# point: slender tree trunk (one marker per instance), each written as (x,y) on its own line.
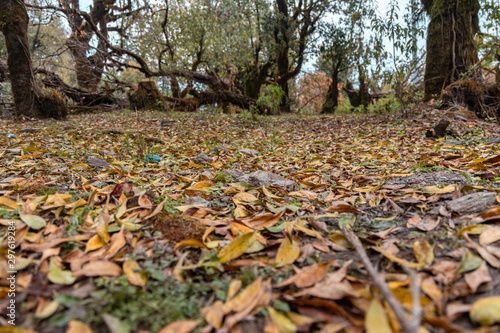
(14,21)
(332,96)
(451,48)
(282,61)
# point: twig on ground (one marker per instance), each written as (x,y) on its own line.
(407,325)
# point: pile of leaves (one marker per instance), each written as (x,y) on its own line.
(130,222)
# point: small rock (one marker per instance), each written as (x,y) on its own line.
(116,130)
(29,130)
(429,178)
(154,140)
(199,201)
(249,152)
(473,203)
(453,142)
(14,151)
(96,162)
(260,178)
(106,153)
(166,122)
(493,139)
(202,159)
(218,149)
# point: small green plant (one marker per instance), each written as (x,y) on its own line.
(270,99)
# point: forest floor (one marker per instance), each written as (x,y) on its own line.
(155,222)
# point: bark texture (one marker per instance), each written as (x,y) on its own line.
(451,49)
(14,21)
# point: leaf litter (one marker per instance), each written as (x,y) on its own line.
(250,225)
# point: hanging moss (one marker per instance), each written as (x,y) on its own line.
(146,96)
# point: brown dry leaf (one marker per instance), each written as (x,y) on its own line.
(262,221)
(490,235)
(180,326)
(100,268)
(308,276)
(117,242)
(244,197)
(144,202)
(478,277)
(428,223)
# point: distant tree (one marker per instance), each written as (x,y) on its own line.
(345,47)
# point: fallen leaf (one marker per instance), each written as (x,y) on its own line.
(33,221)
(132,269)
(237,247)
(486,311)
(288,252)
(376,320)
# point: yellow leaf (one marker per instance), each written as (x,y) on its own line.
(486,311)
(424,252)
(94,243)
(243,299)
(190,242)
(288,252)
(48,310)
(438,190)
(282,322)
(80,165)
(214,314)
(200,186)
(376,320)
(244,197)
(76,326)
(4,201)
(180,326)
(237,247)
(59,276)
(130,268)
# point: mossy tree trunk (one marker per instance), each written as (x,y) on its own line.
(332,96)
(14,21)
(451,49)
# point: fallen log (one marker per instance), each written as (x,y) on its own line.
(80,96)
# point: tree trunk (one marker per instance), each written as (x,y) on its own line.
(88,69)
(332,96)
(283,63)
(451,49)
(14,21)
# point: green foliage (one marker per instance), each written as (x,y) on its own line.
(388,104)
(270,99)
(161,302)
